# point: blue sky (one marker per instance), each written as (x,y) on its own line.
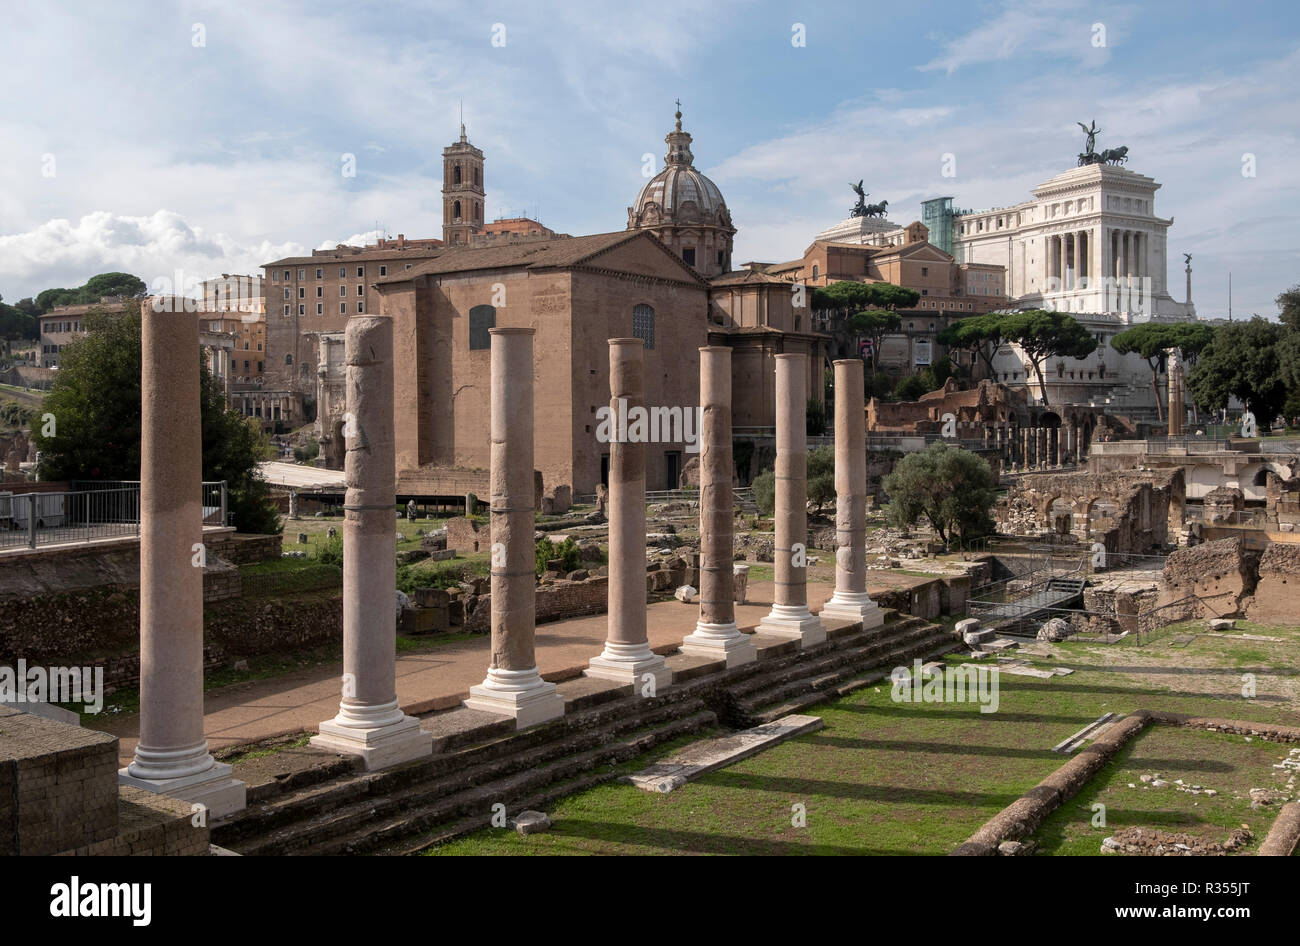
(167,155)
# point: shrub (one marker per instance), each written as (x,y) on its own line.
(567,551)
(765,492)
(330,552)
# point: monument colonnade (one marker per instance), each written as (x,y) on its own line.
(172,755)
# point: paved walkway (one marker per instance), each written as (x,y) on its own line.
(435,679)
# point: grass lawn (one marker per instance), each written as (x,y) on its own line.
(1224,762)
(887,777)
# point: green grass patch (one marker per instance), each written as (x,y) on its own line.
(887,777)
(1224,762)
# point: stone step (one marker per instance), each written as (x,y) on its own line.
(415,815)
(281,822)
(479,756)
(816,660)
(900,655)
(812,699)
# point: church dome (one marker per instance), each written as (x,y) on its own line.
(675,186)
(685,209)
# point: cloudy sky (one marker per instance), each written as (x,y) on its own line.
(210,137)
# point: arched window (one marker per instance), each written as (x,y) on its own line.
(455,174)
(815,272)
(455,210)
(478,177)
(288,359)
(643,324)
(481,318)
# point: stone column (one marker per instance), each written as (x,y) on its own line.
(1177,406)
(851,601)
(716,634)
(790,616)
(1024,448)
(1055,452)
(1069,443)
(627,656)
(172,755)
(1038,448)
(513,686)
(1074,248)
(369,722)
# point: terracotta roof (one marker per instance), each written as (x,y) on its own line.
(355,253)
(535,254)
(746,276)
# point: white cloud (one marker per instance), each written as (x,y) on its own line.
(65,253)
(1034,29)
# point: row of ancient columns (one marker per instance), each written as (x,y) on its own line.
(172,754)
(267,407)
(1038,448)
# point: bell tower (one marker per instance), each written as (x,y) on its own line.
(462,191)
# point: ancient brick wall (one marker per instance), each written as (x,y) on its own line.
(1220,573)
(58,785)
(1277,596)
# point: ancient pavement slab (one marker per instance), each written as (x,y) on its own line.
(703,757)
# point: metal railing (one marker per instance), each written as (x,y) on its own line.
(1155,619)
(106,510)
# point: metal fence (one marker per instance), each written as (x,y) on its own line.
(315,577)
(106,510)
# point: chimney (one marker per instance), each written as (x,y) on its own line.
(401,241)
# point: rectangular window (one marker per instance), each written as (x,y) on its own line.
(302,310)
(286,310)
(343,291)
(286,292)
(481,319)
(343,272)
(302,274)
(361,290)
(319,292)
(320,309)
(688,255)
(361,271)
(275,275)
(343,308)
(361,307)
(383,270)
(302,292)
(320,273)
(286,275)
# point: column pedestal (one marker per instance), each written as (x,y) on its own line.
(522,694)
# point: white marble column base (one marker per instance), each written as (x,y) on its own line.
(793,621)
(214,788)
(720,642)
(522,694)
(378,746)
(854,606)
(630,663)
